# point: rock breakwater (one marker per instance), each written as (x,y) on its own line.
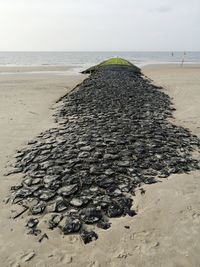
(113,134)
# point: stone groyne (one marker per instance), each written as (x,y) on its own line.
(113,134)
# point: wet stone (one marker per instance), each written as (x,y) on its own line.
(123,163)
(76,202)
(116,193)
(150,180)
(95,170)
(88,236)
(39,208)
(47,194)
(55,220)
(115,210)
(110,157)
(132,213)
(68,190)
(71,225)
(28,181)
(44,236)
(23,193)
(32,222)
(90,215)
(83,154)
(103,224)
(16,187)
(86,148)
(60,205)
(109,172)
(104,181)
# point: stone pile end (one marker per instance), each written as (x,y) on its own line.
(116,63)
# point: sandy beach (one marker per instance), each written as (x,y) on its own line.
(40,69)
(166,231)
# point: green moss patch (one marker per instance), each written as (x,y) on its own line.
(109,62)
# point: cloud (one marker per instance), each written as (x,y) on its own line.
(160,9)
(164,9)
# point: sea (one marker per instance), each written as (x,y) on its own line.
(81,60)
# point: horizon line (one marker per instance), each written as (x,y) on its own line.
(94,51)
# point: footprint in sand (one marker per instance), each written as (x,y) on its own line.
(145,242)
(73,239)
(190,213)
(139,235)
(67,259)
(94,264)
(61,257)
(123,254)
(196,217)
(24,257)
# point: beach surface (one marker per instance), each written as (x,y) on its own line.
(166,231)
(31,69)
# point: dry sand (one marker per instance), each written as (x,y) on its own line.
(166,231)
(183,85)
(45,68)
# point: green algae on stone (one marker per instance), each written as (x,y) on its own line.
(114,62)
(118,61)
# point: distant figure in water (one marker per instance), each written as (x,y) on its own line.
(172,54)
(183,59)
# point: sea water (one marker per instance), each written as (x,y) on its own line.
(86,59)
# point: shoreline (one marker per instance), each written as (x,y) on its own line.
(76,68)
(166,230)
(40,70)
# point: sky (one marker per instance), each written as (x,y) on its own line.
(99,25)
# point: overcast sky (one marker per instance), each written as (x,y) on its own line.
(99,25)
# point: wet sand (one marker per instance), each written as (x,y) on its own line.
(166,231)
